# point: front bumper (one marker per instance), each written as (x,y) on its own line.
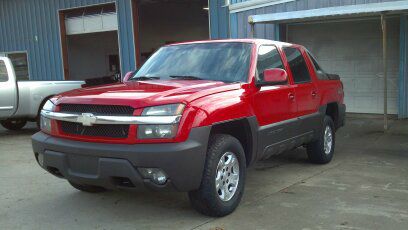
(110,165)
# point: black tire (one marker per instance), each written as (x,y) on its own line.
(316,149)
(206,199)
(87,188)
(14,124)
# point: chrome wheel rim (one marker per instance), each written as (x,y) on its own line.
(328,140)
(227,176)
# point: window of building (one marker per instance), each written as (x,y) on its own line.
(3,72)
(20,64)
(297,65)
(268,58)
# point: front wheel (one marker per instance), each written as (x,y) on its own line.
(13,124)
(223,181)
(321,151)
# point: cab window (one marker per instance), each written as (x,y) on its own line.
(268,58)
(297,65)
(3,72)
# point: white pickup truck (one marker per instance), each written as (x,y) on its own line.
(20,101)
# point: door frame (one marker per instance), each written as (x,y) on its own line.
(63,34)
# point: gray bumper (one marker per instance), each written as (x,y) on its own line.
(107,165)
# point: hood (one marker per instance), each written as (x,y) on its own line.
(140,94)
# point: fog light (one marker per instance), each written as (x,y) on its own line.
(154,174)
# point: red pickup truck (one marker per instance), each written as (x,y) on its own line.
(193,118)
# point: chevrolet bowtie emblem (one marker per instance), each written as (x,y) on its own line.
(87,119)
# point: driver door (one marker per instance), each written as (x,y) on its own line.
(275,106)
(8,88)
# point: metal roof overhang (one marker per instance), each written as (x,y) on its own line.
(337,12)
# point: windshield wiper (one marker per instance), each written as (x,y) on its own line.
(144,78)
(186,77)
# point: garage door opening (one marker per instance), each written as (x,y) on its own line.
(353,49)
(91,42)
(165,22)
(93,55)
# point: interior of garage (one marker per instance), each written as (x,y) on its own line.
(168,21)
(93,55)
(353,49)
(92,42)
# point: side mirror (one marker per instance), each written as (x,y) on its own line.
(127,76)
(274,76)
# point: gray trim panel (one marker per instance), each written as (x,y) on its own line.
(98,163)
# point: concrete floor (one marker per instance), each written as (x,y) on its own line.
(364,187)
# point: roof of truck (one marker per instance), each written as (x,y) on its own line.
(245,40)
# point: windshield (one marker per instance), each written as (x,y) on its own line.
(221,61)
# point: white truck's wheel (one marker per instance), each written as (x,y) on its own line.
(14,124)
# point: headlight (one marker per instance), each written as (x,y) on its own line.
(48,106)
(164,110)
(45,123)
(156,131)
(160,131)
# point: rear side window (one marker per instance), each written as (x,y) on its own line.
(315,64)
(297,65)
(321,75)
(268,58)
(3,72)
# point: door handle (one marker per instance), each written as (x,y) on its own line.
(291,96)
(314,94)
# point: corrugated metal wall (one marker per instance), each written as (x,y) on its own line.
(239,21)
(33,26)
(219,19)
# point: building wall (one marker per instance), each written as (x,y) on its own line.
(239,20)
(33,26)
(173,25)
(219,19)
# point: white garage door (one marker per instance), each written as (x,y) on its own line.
(354,51)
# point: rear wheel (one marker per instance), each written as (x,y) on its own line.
(87,188)
(223,181)
(321,151)
(14,124)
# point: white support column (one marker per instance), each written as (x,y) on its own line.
(384,41)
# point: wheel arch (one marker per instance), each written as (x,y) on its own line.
(245,130)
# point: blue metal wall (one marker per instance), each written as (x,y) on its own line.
(219,19)
(126,38)
(33,26)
